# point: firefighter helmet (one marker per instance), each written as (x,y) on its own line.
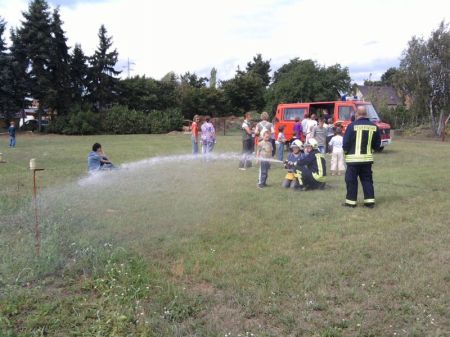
(313,143)
(297,143)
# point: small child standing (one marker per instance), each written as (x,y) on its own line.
(290,181)
(337,154)
(12,134)
(264,152)
(281,140)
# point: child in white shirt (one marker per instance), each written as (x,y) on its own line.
(337,154)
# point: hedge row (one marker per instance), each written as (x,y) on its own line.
(117,120)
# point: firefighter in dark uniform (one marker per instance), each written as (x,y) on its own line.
(311,170)
(361,138)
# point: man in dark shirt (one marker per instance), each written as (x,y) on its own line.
(361,138)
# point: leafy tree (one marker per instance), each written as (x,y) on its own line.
(36,38)
(388,78)
(78,75)
(244,92)
(59,96)
(424,76)
(193,80)
(261,68)
(202,101)
(102,81)
(305,80)
(146,94)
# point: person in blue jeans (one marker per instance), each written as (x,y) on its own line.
(281,140)
(12,134)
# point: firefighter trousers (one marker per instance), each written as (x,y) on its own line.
(306,179)
(364,173)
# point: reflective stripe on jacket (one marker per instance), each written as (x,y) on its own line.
(360,139)
(315,162)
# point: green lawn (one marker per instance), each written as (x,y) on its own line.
(186,248)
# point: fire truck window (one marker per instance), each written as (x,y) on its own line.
(345,112)
(290,114)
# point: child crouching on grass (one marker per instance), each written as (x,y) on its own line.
(290,180)
(264,152)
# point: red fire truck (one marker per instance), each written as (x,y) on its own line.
(341,113)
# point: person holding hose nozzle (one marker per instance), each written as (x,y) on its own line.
(311,170)
(361,138)
(290,181)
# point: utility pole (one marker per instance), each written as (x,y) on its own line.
(128,67)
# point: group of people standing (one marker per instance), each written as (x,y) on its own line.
(208,135)
(306,164)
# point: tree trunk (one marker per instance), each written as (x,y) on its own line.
(433,118)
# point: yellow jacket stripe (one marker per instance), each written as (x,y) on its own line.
(358,158)
(319,175)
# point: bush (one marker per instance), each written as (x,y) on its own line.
(165,121)
(77,123)
(117,120)
(121,120)
(401,118)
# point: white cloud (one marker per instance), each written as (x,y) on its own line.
(196,35)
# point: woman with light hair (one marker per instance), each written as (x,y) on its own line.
(265,125)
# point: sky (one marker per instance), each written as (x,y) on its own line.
(159,36)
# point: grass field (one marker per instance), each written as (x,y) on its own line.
(186,248)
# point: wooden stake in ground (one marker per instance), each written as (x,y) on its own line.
(37,232)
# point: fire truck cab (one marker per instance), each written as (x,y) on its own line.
(341,113)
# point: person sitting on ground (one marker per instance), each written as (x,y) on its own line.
(290,181)
(311,170)
(97,160)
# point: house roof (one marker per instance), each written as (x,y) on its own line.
(384,93)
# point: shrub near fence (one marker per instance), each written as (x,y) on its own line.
(120,120)
(117,120)
(77,123)
(165,121)
(402,118)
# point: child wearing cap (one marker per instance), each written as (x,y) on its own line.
(337,154)
(264,152)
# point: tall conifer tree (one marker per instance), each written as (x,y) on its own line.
(103,84)
(59,97)
(78,75)
(36,36)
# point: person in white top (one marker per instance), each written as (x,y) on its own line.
(312,123)
(305,121)
(337,154)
